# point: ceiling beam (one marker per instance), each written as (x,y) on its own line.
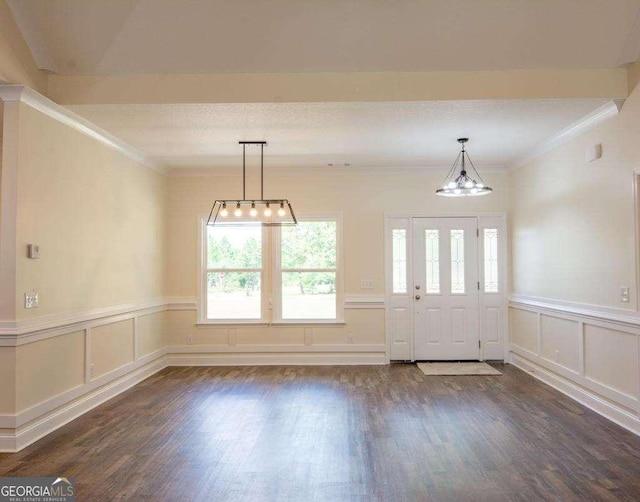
(28,26)
(337,87)
(631,50)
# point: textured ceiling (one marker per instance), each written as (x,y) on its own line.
(361,134)
(222,36)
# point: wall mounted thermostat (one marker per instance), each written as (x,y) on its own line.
(33,251)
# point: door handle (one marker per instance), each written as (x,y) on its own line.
(417,297)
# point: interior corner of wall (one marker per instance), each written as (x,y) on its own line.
(633,76)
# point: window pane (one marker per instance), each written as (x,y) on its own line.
(491,260)
(457,261)
(310,244)
(308,295)
(233,295)
(234,247)
(432,253)
(399,257)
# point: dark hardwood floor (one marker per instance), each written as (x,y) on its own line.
(362,433)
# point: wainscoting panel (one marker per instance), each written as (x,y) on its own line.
(611,358)
(526,334)
(8,379)
(49,368)
(46,365)
(148,327)
(560,341)
(592,355)
(112,346)
(58,367)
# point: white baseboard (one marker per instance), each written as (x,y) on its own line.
(607,409)
(275,359)
(12,441)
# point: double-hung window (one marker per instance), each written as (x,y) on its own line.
(234,273)
(282,274)
(307,276)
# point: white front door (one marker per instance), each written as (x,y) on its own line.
(445,289)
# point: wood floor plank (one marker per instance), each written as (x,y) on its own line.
(363,433)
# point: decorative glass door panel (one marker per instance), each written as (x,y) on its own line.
(446,289)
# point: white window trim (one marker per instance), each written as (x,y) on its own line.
(202,304)
(339,271)
(271,278)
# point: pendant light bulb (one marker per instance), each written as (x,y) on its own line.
(253,210)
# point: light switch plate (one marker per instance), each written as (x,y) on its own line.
(33,251)
(366,284)
(31,300)
(624,294)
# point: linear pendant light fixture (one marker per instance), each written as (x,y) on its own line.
(241,212)
(461,184)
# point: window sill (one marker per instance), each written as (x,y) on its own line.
(223,324)
(302,322)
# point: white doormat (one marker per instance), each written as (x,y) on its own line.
(464,368)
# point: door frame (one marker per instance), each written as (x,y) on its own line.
(403,302)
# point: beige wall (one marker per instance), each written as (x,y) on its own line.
(16,63)
(572,229)
(363,200)
(572,222)
(99,218)
(97,215)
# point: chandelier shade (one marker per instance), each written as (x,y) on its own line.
(463,183)
(247,212)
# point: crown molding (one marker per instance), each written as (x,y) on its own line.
(65,116)
(215,171)
(589,121)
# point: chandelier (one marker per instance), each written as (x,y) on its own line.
(460,184)
(240,212)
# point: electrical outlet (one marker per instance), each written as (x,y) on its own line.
(624,294)
(92,370)
(31,300)
(557,356)
(190,340)
(366,284)
(350,338)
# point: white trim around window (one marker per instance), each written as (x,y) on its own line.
(271,277)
